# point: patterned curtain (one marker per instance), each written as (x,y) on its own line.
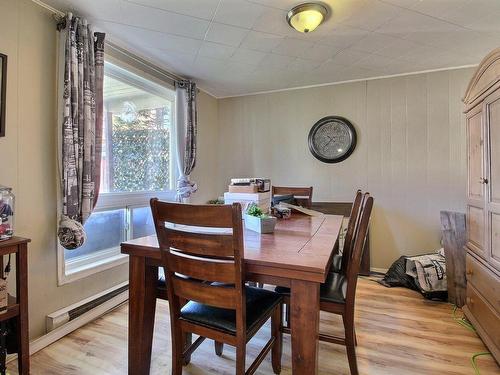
(186,128)
(81,128)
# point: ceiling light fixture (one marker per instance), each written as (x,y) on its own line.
(306,17)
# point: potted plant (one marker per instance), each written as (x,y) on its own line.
(258,221)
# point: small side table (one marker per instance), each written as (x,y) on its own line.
(18,307)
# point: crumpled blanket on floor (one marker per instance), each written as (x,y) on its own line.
(429,271)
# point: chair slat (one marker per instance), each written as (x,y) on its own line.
(215,216)
(215,245)
(202,268)
(217,296)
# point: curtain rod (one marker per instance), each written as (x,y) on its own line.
(140,60)
(58,14)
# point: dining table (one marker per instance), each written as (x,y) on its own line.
(297,255)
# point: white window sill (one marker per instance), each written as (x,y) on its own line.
(85,266)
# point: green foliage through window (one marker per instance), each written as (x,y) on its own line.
(139,154)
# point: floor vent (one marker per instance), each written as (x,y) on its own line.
(91,307)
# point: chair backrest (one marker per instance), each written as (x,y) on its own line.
(202,248)
(354,218)
(303,195)
(357,250)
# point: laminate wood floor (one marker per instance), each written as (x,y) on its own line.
(399,333)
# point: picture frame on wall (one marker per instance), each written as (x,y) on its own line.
(3,92)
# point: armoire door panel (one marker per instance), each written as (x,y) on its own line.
(475,153)
(475,229)
(493,119)
(495,240)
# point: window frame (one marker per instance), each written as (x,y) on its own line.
(90,264)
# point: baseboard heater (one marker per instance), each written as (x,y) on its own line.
(90,308)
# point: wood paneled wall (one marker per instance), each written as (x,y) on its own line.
(410,153)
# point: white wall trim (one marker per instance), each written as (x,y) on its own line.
(349,81)
(58,333)
(380,270)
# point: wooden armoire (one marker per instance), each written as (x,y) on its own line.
(482,108)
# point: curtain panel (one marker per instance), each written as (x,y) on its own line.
(81,136)
(186,130)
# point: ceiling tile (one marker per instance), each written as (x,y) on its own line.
(276,61)
(348,57)
(196,8)
(463,12)
(292,47)
(329,69)
(415,26)
(152,39)
(239,13)
(179,62)
(303,65)
(342,36)
(372,14)
(278,4)
(259,41)
(318,52)
(273,21)
(375,62)
(225,34)
(374,42)
(248,56)
(167,22)
(109,10)
(398,47)
(216,50)
(250,47)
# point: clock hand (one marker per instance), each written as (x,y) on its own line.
(330,141)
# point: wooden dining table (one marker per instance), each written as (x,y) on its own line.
(297,255)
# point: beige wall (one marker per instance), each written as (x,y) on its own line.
(410,153)
(28,152)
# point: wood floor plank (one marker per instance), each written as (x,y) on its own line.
(399,333)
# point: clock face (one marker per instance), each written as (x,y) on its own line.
(332,139)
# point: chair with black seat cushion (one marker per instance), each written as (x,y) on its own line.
(339,262)
(202,252)
(338,293)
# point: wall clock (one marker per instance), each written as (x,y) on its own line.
(332,139)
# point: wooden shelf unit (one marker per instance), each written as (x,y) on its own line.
(18,306)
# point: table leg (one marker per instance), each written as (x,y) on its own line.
(23,359)
(304,305)
(143,280)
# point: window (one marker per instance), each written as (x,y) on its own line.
(136,164)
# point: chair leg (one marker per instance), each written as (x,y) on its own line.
(350,343)
(240,359)
(188,340)
(287,316)
(276,321)
(177,349)
(219,347)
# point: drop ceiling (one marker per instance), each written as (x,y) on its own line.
(237,47)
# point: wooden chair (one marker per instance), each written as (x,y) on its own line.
(339,263)
(303,195)
(338,293)
(205,279)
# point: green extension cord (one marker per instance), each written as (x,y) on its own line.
(473,361)
(463,320)
(466,324)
